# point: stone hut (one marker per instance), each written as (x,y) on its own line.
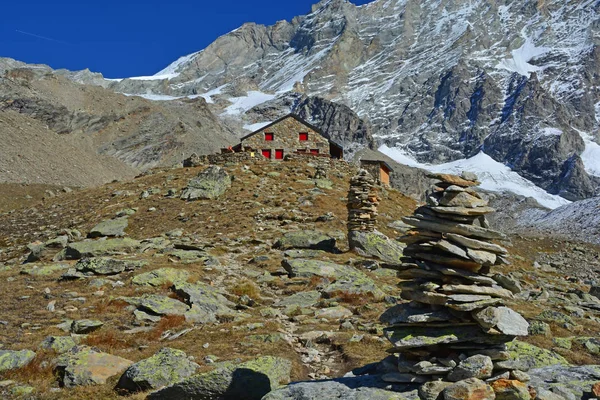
(289,135)
(378,169)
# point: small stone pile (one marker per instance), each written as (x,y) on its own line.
(455,326)
(362,203)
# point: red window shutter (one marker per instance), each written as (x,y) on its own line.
(266,153)
(314,151)
(279,154)
(268,136)
(303,136)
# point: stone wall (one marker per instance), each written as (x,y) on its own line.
(286,137)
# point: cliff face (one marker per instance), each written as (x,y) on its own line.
(439,79)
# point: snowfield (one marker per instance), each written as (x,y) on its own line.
(494,176)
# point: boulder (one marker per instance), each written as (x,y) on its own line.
(209,184)
(306,239)
(375,244)
(82,366)
(469,389)
(11,359)
(333,313)
(84,326)
(112,227)
(58,344)
(207,302)
(98,248)
(162,305)
(250,380)
(348,279)
(161,276)
(407,337)
(37,250)
(45,270)
(367,387)
(166,367)
(107,266)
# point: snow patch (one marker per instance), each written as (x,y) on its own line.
(494,176)
(591,155)
(172,68)
(153,77)
(519,62)
(551,132)
(208,95)
(242,104)
(597,107)
(257,126)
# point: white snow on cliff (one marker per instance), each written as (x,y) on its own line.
(493,175)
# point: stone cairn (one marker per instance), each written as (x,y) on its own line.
(455,325)
(362,203)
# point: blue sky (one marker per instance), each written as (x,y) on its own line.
(127,38)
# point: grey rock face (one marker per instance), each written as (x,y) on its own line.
(107,266)
(478,366)
(166,367)
(209,184)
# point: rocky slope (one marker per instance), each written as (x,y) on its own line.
(57,131)
(440,80)
(252,282)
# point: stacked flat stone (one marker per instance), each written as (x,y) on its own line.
(362,203)
(455,325)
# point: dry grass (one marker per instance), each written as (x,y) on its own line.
(355,299)
(247,288)
(109,340)
(166,323)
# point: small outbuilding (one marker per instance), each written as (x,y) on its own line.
(289,135)
(379,169)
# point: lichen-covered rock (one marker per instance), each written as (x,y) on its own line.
(375,244)
(306,239)
(246,381)
(11,359)
(161,276)
(469,389)
(532,356)
(84,326)
(166,367)
(82,366)
(347,279)
(567,381)
(162,305)
(206,302)
(506,389)
(107,266)
(333,313)
(98,248)
(58,344)
(112,227)
(209,184)
(300,300)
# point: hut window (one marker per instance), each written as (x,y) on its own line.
(314,151)
(279,154)
(303,136)
(266,153)
(268,136)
